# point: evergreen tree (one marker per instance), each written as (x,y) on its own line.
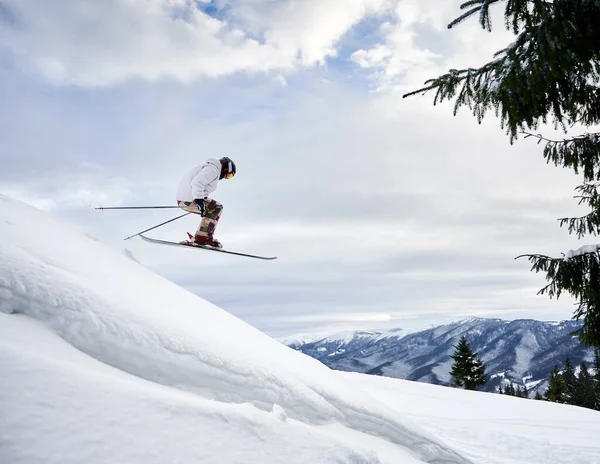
(519,392)
(510,389)
(538,396)
(585,394)
(556,387)
(467,371)
(549,73)
(569,381)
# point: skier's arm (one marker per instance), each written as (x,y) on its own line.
(202,179)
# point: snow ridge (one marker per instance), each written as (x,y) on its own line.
(117,312)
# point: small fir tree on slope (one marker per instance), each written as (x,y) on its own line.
(510,389)
(550,73)
(467,371)
(525,391)
(556,387)
(518,392)
(569,380)
(585,391)
(570,388)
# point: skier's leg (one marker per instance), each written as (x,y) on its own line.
(188,206)
(191,207)
(212,213)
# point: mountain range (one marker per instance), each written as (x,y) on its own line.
(522,352)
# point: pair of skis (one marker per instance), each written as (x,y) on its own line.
(204,247)
(177,244)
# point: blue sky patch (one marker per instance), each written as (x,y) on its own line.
(212,9)
(7,15)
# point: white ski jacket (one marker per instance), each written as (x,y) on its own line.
(200,181)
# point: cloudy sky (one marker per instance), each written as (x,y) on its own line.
(384,212)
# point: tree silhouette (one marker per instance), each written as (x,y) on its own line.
(467,371)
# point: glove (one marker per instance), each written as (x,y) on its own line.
(200,203)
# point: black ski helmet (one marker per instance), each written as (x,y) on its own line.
(227,168)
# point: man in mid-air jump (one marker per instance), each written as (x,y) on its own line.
(193,196)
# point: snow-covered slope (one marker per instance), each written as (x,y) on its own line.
(491,428)
(102,360)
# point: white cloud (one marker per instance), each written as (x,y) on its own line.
(93,43)
(311,28)
(407,55)
(81,192)
(372,58)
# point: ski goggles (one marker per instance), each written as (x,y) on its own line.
(230,173)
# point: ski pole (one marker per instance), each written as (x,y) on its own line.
(155,227)
(137,207)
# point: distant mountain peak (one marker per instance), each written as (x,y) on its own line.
(513,350)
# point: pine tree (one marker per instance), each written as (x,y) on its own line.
(519,392)
(585,394)
(510,390)
(569,381)
(550,73)
(556,387)
(467,371)
(538,396)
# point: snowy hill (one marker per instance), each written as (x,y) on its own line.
(490,428)
(101,360)
(519,351)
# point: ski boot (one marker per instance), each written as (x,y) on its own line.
(207,240)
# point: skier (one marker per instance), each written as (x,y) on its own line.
(193,196)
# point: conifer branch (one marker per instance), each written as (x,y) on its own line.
(581,153)
(550,72)
(589,223)
(578,274)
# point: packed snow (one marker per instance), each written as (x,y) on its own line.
(102,360)
(490,428)
(581,251)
